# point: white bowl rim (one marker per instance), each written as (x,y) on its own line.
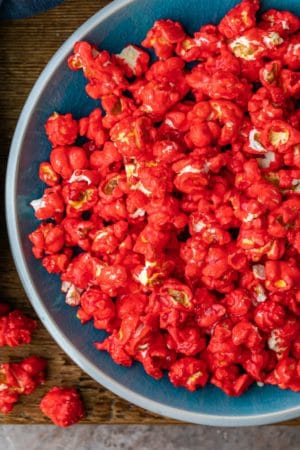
(62,340)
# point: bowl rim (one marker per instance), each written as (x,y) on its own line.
(14,239)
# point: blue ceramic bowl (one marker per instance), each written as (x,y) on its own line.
(120,23)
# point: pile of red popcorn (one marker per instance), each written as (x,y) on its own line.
(175,227)
(17,378)
(23,377)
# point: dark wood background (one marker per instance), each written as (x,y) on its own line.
(25,47)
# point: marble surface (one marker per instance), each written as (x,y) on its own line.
(143,437)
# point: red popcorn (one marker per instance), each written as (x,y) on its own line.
(50,205)
(104,76)
(262,109)
(20,378)
(249,46)
(97,305)
(193,252)
(189,373)
(205,43)
(92,127)
(163,37)
(165,211)
(208,310)
(82,270)
(192,175)
(15,328)
(282,275)
(133,60)
(65,160)
(222,352)
(269,315)
(291,57)
(175,225)
(286,375)
(166,86)
(153,273)
(238,304)
(280,136)
(132,136)
(189,340)
(77,232)
(47,239)
(259,364)
(57,263)
(79,196)
(115,209)
(116,108)
(282,22)
(110,188)
(84,54)
(239,19)
(247,334)
(132,336)
(111,279)
(154,180)
(157,97)
(63,406)
(61,129)
(219,85)
(231,381)
(175,295)
(269,75)
(290,84)
(155,356)
(176,121)
(106,159)
(217,273)
(225,118)
(250,69)
(107,240)
(48,175)
(167,151)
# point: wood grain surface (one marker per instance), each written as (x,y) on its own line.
(25,47)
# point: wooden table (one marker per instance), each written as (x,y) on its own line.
(25,47)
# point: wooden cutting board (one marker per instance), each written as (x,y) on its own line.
(25,47)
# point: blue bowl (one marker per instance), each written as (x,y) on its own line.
(59,89)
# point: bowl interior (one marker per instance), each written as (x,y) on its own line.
(61,90)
